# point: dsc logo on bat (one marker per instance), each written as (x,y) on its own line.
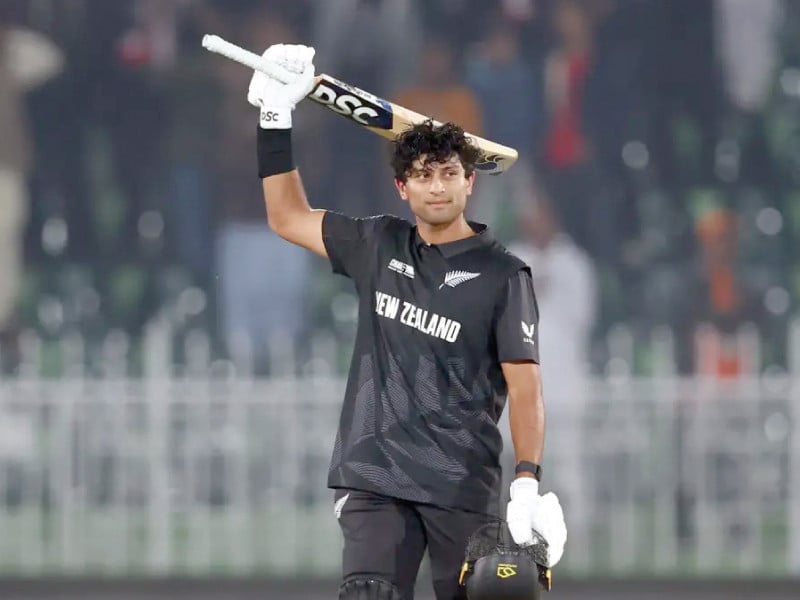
(351,102)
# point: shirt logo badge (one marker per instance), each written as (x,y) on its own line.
(454,278)
(528,331)
(402,268)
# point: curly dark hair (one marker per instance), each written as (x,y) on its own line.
(437,142)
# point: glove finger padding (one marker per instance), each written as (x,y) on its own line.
(275,98)
(294,58)
(275,53)
(519,523)
(298,58)
(548,519)
(255,92)
(262,86)
(264,90)
(528,512)
(304,83)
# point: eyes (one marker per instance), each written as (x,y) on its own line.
(448,174)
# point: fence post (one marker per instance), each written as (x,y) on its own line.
(793,490)
(663,345)
(620,351)
(157,347)
(748,346)
(62,483)
(160,490)
(30,345)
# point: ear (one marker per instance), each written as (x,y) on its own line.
(470,182)
(401,188)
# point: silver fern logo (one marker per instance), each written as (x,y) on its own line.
(454,278)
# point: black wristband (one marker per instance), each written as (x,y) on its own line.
(526,466)
(274,148)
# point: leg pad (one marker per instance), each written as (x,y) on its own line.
(367,587)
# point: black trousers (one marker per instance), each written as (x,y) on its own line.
(387,538)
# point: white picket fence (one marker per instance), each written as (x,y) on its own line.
(208,470)
(176,476)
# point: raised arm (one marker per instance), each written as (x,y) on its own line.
(289,214)
(288,211)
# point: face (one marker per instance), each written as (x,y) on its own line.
(539,225)
(720,249)
(571,21)
(437,192)
(718,239)
(501,46)
(438,65)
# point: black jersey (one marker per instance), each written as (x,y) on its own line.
(425,388)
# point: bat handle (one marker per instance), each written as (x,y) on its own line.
(216,44)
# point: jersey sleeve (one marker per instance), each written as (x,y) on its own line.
(517,325)
(350,241)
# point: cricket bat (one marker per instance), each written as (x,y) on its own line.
(376,114)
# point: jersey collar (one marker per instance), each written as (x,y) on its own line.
(451,249)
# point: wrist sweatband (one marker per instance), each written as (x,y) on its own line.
(526,466)
(274,148)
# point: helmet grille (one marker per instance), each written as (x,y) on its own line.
(495,538)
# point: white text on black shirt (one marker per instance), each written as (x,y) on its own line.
(416,317)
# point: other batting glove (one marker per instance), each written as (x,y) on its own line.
(276,99)
(527,512)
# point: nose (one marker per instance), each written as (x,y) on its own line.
(437,184)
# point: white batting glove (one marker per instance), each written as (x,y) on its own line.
(527,512)
(275,98)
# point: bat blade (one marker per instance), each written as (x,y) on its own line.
(388,119)
(363,108)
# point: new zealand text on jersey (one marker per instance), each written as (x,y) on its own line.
(416,317)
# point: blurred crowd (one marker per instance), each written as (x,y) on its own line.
(659,147)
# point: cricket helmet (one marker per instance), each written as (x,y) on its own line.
(495,568)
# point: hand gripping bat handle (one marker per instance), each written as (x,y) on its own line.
(216,44)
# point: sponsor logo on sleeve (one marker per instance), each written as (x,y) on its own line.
(528,331)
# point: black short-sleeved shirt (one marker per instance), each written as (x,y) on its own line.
(425,388)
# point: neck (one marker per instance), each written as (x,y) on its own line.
(446,232)
(577,47)
(544,241)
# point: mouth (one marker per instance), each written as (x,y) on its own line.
(436,203)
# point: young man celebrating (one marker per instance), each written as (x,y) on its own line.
(447,329)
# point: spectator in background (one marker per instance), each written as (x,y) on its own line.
(507,89)
(747,42)
(587,203)
(262,279)
(439,92)
(132,101)
(374,45)
(747,45)
(591,96)
(567,68)
(567,296)
(566,292)
(681,78)
(194,96)
(509,97)
(27,59)
(722,300)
